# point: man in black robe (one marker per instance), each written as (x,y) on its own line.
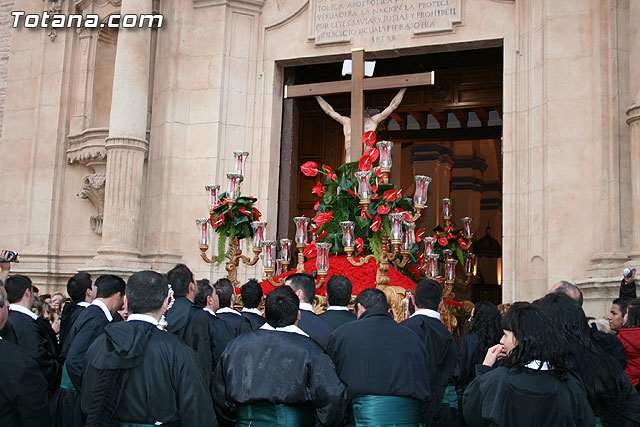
(384,366)
(90,324)
(226,299)
(277,375)
(136,373)
(338,297)
(252,295)
(80,291)
(184,290)
(28,334)
(305,288)
(440,345)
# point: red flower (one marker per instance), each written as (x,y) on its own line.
(316,206)
(321,218)
(374,188)
(375,225)
(244,211)
(310,250)
(419,235)
(453,303)
(443,241)
(309,168)
(256,213)
(415,271)
(359,244)
(353,193)
(383,209)
(319,189)
(363,213)
(391,195)
(313,230)
(321,235)
(448,229)
(219,222)
(369,138)
(330,173)
(378,173)
(369,156)
(463,244)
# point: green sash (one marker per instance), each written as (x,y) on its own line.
(264,414)
(65,381)
(450,397)
(389,411)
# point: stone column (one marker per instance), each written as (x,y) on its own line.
(126,144)
(633,120)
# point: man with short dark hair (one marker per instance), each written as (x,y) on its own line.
(277,375)
(440,345)
(23,389)
(226,299)
(28,333)
(80,292)
(338,297)
(252,295)
(137,374)
(384,366)
(305,288)
(184,290)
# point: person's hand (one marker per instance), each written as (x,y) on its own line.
(632,277)
(493,354)
(4,256)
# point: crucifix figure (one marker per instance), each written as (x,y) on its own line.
(357,86)
(371,119)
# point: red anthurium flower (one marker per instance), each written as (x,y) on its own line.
(219,222)
(310,250)
(353,193)
(462,244)
(256,213)
(359,244)
(321,218)
(321,235)
(244,211)
(448,229)
(391,195)
(375,225)
(383,209)
(369,138)
(442,241)
(316,206)
(419,235)
(363,213)
(313,230)
(374,188)
(319,189)
(367,159)
(309,168)
(378,173)
(330,173)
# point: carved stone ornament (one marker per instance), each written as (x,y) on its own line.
(93,190)
(54,7)
(87,146)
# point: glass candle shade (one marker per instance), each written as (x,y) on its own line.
(348,228)
(396,225)
(422,184)
(468,263)
(409,237)
(258,233)
(364,189)
(385,153)
(466,225)
(241,159)
(203,231)
(432,265)
(428,245)
(212,191)
(446,207)
(233,191)
(450,269)
(269,254)
(322,261)
(302,223)
(446,254)
(279,267)
(285,249)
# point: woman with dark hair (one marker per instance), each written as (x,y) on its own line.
(610,393)
(532,387)
(630,337)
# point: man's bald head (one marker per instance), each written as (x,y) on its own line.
(567,288)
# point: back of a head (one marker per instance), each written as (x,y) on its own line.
(570,289)
(108,285)
(251,293)
(204,289)
(281,307)
(568,317)
(372,298)
(77,286)
(180,277)
(146,292)
(305,282)
(224,289)
(339,290)
(486,324)
(428,294)
(633,314)
(16,286)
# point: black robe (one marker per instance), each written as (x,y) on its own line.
(317,328)
(610,344)
(23,389)
(337,317)
(179,315)
(32,338)
(279,368)
(255,320)
(156,373)
(238,323)
(68,317)
(526,397)
(374,355)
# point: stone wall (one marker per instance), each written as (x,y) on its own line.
(5,47)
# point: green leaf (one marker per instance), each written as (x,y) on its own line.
(222,246)
(374,244)
(460,255)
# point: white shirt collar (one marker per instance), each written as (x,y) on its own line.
(427,312)
(104,309)
(208,310)
(144,318)
(83,304)
(252,310)
(535,364)
(23,310)
(228,310)
(306,306)
(338,308)
(291,329)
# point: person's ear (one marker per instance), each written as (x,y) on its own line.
(126,304)
(27,293)
(298,317)
(192,287)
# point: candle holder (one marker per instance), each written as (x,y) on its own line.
(204,231)
(385,159)
(302,224)
(432,264)
(446,210)
(233,190)
(348,240)
(322,261)
(429,243)
(258,233)
(240,160)
(364,188)
(466,227)
(212,191)
(234,256)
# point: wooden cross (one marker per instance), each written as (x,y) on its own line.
(356,87)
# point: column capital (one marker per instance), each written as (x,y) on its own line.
(126,143)
(633,113)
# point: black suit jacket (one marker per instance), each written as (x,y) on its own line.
(337,317)
(237,323)
(255,320)
(318,329)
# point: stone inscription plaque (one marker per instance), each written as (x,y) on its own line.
(380,21)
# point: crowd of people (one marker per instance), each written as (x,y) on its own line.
(166,349)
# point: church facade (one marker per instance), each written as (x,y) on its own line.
(109,135)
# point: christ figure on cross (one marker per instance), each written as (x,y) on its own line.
(371,122)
